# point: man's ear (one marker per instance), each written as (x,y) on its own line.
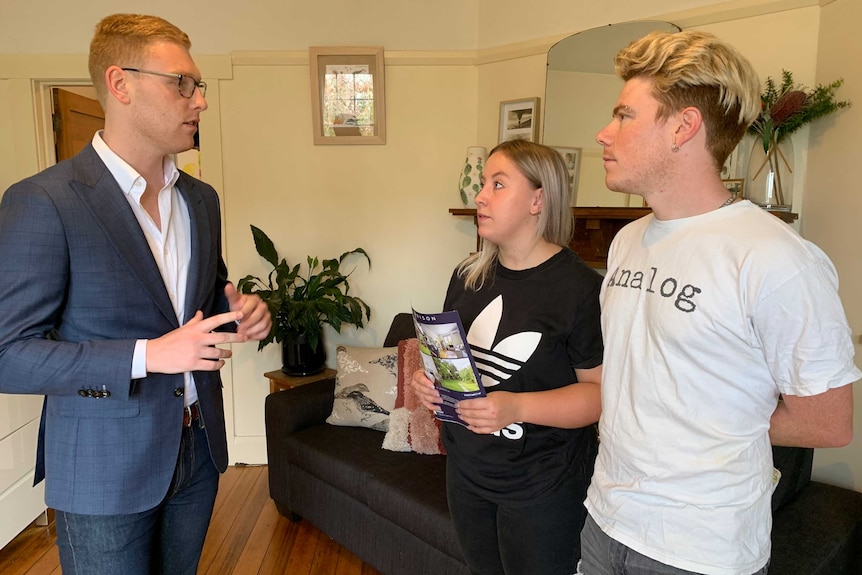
(538,202)
(115,82)
(688,124)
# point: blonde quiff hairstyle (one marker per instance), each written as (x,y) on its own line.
(123,40)
(693,68)
(544,168)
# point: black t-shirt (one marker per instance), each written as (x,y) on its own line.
(528,330)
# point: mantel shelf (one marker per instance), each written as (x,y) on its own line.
(595,227)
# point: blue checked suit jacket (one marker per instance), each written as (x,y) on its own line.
(79,286)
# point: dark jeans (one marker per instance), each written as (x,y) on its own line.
(540,538)
(165,540)
(606,556)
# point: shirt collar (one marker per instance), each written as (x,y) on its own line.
(125,175)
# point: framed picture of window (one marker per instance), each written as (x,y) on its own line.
(572,157)
(735,186)
(519,120)
(347,95)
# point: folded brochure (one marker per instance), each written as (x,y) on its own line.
(447,360)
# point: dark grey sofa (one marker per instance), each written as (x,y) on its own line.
(816,528)
(390,508)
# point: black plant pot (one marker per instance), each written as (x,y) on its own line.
(297,356)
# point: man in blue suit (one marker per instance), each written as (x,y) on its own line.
(113,289)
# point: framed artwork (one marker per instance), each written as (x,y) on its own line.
(519,120)
(736,186)
(572,157)
(347,95)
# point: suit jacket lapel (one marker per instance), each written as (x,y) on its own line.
(100,192)
(200,235)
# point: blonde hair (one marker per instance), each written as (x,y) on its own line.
(544,168)
(693,68)
(123,40)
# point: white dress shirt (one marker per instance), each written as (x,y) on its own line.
(170,245)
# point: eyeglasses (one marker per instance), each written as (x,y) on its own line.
(185,84)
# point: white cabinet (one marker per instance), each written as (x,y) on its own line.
(20,502)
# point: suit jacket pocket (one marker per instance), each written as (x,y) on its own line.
(93,407)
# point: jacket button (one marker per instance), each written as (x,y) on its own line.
(178,392)
(82,393)
(106,393)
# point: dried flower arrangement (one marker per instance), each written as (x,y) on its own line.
(786,108)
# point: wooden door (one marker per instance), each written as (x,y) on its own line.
(76,119)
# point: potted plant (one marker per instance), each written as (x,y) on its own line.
(301,304)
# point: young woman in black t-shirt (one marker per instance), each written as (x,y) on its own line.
(517,475)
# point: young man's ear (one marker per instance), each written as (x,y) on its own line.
(688,124)
(117,87)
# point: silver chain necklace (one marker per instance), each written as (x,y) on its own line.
(728,201)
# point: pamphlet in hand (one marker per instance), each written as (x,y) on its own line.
(447,360)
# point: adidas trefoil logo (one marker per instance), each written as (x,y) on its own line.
(499,363)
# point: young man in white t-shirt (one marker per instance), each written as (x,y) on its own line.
(712,309)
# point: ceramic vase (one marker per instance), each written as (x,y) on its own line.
(770,174)
(469,182)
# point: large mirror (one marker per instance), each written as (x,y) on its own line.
(579,97)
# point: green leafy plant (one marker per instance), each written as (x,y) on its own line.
(788,107)
(303,303)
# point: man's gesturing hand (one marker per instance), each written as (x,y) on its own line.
(256,320)
(192,346)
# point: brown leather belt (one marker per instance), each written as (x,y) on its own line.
(190,414)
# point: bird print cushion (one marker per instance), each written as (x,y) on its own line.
(365,387)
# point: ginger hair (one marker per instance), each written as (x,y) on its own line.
(123,40)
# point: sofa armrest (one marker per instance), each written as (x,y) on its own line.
(818,533)
(300,407)
(402,327)
(286,412)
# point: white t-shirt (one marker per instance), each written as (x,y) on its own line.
(705,321)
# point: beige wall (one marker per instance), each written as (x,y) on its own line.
(512,21)
(582,104)
(392,200)
(17,135)
(511,79)
(833,201)
(794,49)
(224,26)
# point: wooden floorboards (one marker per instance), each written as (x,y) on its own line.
(247,536)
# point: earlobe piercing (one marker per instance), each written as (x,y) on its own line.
(674,148)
